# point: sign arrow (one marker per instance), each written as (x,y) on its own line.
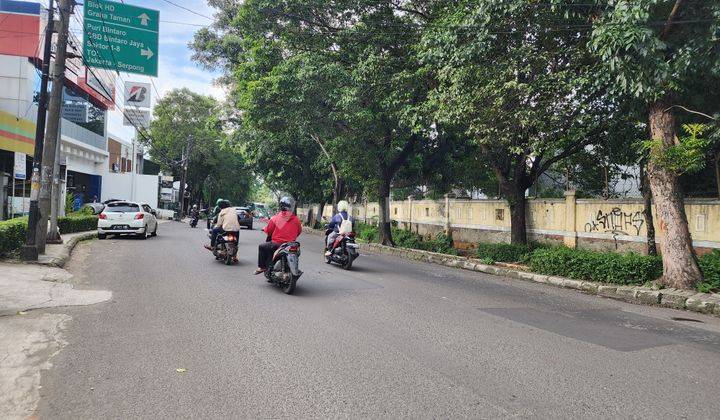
(144,19)
(146,53)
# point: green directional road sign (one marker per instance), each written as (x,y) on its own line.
(121,37)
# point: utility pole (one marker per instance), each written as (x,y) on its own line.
(183,173)
(52,132)
(29,251)
(53,236)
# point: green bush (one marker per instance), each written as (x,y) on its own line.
(12,235)
(13,232)
(406,239)
(710,266)
(607,267)
(504,252)
(77,222)
(366,232)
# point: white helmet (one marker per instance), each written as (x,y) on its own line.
(342,205)
(286,203)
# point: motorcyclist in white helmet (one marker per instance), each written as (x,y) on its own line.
(335,224)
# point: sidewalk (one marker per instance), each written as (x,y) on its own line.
(29,339)
(31,286)
(56,255)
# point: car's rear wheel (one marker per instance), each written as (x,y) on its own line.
(144,235)
(155,231)
(102,236)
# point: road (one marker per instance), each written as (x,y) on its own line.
(391,338)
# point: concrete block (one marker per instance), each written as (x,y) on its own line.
(625,293)
(483,268)
(468,265)
(572,284)
(513,273)
(589,287)
(675,298)
(556,281)
(607,291)
(701,302)
(496,271)
(540,278)
(451,262)
(649,296)
(716,309)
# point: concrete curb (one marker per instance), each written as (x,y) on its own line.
(706,303)
(67,247)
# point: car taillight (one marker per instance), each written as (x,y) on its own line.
(293,248)
(139,216)
(102,216)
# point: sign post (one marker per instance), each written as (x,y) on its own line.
(18,173)
(121,37)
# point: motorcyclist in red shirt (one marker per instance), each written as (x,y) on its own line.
(283,227)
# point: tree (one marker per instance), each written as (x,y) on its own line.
(518,82)
(656,51)
(369,42)
(186,138)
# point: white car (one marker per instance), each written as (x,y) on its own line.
(127,218)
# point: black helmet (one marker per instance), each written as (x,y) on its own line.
(286,203)
(224,204)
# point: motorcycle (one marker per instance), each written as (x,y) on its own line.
(193,221)
(345,252)
(226,247)
(284,270)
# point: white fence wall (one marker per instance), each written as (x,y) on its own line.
(120,186)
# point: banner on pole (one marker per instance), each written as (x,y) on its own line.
(136,117)
(19,171)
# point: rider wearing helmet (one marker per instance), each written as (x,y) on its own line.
(194,212)
(227,221)
(334,225)
(217,208)
(283,227)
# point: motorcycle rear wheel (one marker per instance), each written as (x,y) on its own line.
(289,287)
(229,254)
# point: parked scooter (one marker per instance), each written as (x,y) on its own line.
(226,247)
(284,270)
(345,250)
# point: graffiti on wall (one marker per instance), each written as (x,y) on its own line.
(616,222)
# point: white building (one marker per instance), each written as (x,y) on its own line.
(86,169)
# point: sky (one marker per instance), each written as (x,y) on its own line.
(175,66)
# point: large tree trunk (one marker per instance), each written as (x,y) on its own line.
(680,267)
(717,173)
(384,232)
(319,216)
(518,208)
(647,210)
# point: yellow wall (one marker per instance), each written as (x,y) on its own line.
(603,224)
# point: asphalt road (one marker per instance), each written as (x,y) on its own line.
(391,338)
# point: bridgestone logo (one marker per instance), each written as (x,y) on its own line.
(137,94)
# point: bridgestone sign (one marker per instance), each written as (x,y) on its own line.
(121,37)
